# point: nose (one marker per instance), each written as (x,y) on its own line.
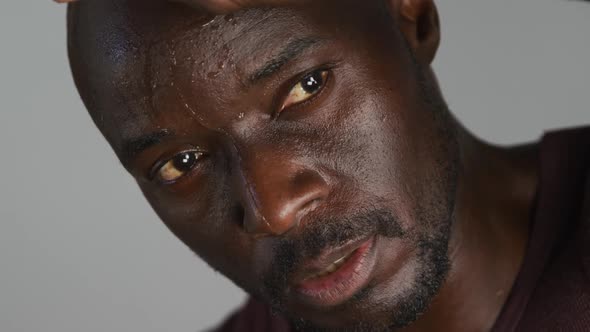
(277,194)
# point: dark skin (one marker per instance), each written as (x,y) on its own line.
(224,6)
(243,166)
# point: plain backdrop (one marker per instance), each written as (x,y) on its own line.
(80,249)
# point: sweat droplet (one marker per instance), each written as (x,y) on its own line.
(207,23)
(241,115)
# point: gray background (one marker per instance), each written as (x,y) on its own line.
(80,250)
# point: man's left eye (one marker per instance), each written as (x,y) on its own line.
(179,166)
(308,87)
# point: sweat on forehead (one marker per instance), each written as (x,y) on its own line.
(127,55)
(111,40)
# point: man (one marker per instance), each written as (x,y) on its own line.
(312,160)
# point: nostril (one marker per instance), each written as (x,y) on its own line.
(237,215)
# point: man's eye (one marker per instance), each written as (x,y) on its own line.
(309,86)
(178,166)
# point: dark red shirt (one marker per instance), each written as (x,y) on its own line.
(552,290)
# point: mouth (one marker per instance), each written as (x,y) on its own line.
(336,275)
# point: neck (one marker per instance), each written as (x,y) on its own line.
(495,194)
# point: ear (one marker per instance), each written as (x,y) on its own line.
(418,21)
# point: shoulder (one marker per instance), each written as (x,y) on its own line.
(577,164)
(568,271)
(582,229)
(560,299)
(583,238)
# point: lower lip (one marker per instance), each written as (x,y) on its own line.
(342,284)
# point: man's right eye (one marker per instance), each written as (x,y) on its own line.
(177,167)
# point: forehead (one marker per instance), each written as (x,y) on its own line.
(128,55)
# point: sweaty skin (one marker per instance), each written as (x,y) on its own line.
(270,141)
(225,6)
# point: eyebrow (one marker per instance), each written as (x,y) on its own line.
(134,146)
(290,52)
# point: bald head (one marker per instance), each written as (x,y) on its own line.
(130,57)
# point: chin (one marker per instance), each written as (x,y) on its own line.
(388,301)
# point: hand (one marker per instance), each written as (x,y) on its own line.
(223,6)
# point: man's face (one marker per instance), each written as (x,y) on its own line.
(302,153)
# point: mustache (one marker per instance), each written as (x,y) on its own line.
(317,236)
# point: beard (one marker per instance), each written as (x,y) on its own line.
(316,237)
(402,309)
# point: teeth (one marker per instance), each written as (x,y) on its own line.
(333,267)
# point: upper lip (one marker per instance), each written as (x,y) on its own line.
(328,256)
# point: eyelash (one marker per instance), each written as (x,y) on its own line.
(292,83)
(153,171)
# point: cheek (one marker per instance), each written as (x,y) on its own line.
(203,224)
(374,141)
(385,138)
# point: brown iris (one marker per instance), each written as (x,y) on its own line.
(179,166)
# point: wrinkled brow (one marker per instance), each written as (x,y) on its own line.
(134,146)
(288,54)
